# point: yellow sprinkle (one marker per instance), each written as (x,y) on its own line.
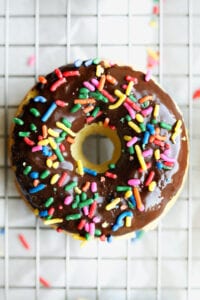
(53,132)
(49,163)
(128,221)
(66,129)
(118,93)
(80,167)
(173,136)
(129,88)
(134,126)
(113,204)
(127,138)
(36,212)
(156,110)
(152,186)
(153,23)
(77,190)
(153,54)
(56,165)
(178,126)
(140,157)
(99,70)
(118,103)
(54,178)
(53,221)
(52,143)
(43,142)
(157,154)
(139,118)
(128,194)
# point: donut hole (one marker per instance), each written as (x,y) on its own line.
(96,147)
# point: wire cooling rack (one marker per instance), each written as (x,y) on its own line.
(37,36)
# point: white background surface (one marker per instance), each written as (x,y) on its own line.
(165,263)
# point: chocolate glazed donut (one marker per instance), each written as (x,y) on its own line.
(127,193)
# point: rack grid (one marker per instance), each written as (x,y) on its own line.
(165,263)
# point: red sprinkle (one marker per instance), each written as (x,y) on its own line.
(90,119)
(168,163)
(28,141)
(92,209)
(196,94)
(81,224)
(133,104)
(103,237)
(62,147)
(130,78)
(71,73)
(24,241)
(58,73)
(111,175)
(62,179)
(58,229)
(51,211)
(150,178)
(107,95)
(159,143)
(56,84)
(156,9)
(61,103)
(148,164)
(44,282)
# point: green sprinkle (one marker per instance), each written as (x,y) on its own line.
(83,90)
(24,133)
(83,196)
(33,127)
(59,154)
(63,134)
(120,188)
(96,196)
(73,217)
(85,203)
(130,205)
(132,97)
(165,126)
(131,150)
(97,232)
(88,236)
(27,170)
(76,202)
(18,121)
(128,118)
(83,96)
(95,111)
(66,122)
(70,186)
(98,96)
(48,217)
(59,139)
(96,61)
(75,108)
(44,174)
(154,121)
(167,167)
(112,166)
(142,127)
(35,112)
(49,201)
(145,104)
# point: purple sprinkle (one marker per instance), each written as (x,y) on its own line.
(95,82)
(96,219)
(148,75)
(166,158)
(86,210)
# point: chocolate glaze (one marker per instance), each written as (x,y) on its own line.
(168,181)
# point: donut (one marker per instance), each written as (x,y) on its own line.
(124,195)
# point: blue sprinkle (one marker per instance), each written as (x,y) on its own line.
(146,138)
(43,213)
(46,151)
(109,239)
(40,99)
(88,62)
(49,112)
(151,128)
(2,230)
(90,172)
(78,63)
(132,199)
(38,188)
(34,175)
(159,165)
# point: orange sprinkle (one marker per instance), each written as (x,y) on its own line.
(161,137)
(151,139)
(52,157)
(84,101)
(35,182)
(70,140)
(106,122)
(111,79)
(145,98)
(44,131)
(88,109)
(139,204)
(102,82)
(42,79)
(157,130)
(86,186)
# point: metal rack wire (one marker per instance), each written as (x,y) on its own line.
(167,269)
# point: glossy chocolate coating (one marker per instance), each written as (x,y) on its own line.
(168,181)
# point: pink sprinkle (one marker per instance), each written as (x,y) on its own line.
(36,148)
(44,282)
(87,227)
(86,210)
(130,78)
(94,187)
(130,110)
(89,86)
(132,141)
(147,152)
(166,158)
(147,111)
(96,220)
(148,75)
(24,241)
(31,60)
(134,182)
(68,200)
(92,228)
(95,82)
(61,103)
